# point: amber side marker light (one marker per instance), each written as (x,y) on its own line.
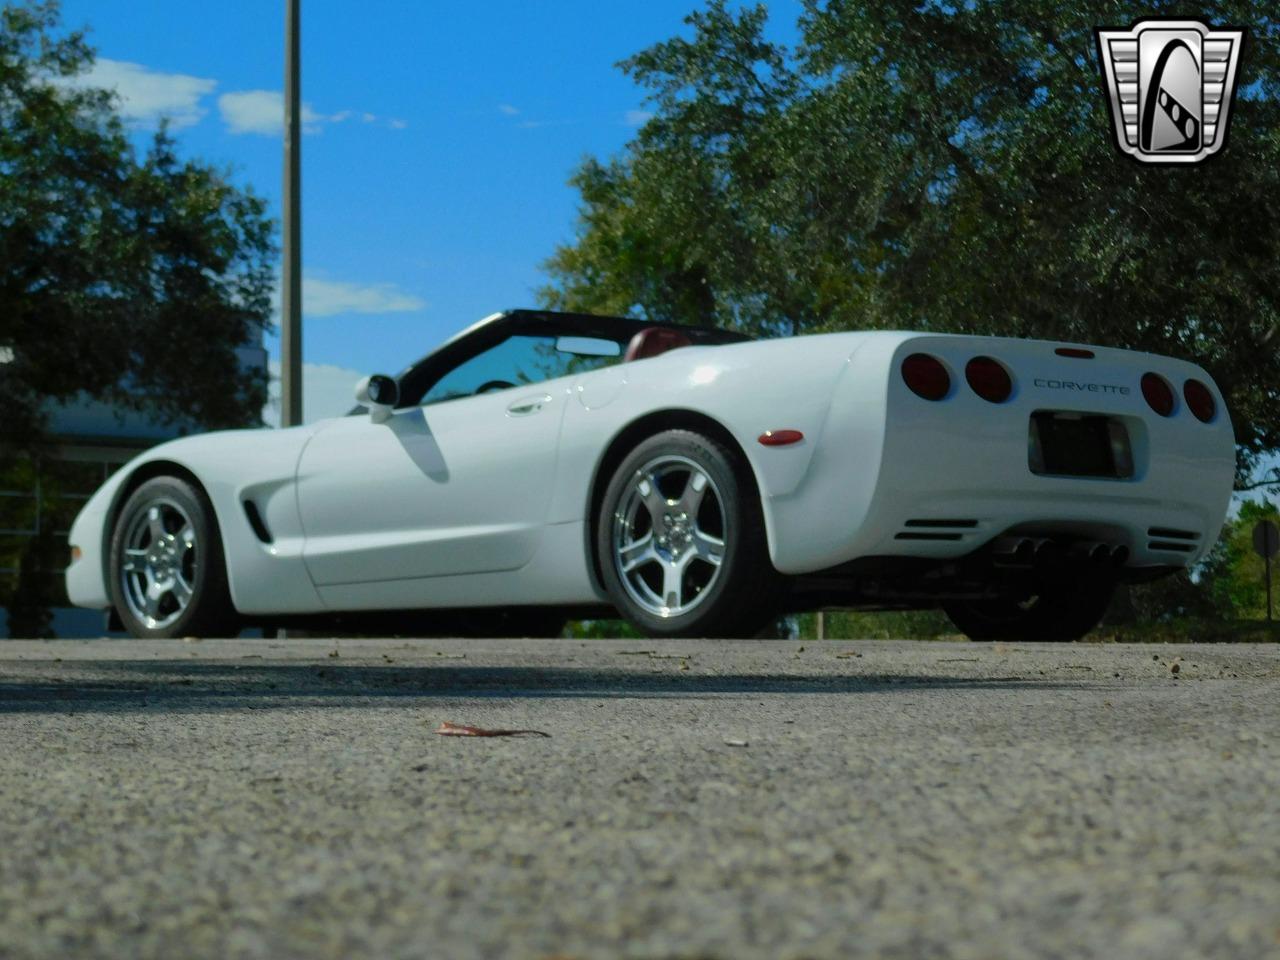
(75,554)
(780,438)
(1158,393)
(1199,401)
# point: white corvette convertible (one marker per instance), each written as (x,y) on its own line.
(542,465)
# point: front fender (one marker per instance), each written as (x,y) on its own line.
(232,467)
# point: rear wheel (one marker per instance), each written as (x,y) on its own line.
(168,576)
(1064,610)
(681,540)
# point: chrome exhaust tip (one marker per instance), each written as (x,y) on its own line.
(1014,551)
(1091,551)
(1025,551)
(1046,552)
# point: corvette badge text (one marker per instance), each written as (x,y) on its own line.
(1082,387)
(1170,85)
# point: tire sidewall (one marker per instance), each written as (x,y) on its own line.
(209,606)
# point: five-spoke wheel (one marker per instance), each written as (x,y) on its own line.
(669,536)
(168,578)
(159,563)
(680,540)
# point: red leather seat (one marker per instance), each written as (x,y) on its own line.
(652,341)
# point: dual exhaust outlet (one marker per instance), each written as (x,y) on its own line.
(1043,552)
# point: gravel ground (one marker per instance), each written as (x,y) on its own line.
(694,800)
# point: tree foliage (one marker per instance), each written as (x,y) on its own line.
(938,166)
(127,279)
(1234,574)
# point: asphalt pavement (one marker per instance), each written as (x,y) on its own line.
(694,799)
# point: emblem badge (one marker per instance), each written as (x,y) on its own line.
(1170,84)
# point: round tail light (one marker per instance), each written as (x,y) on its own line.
(1158,393)
(1200,401)
(926,376)
(989,379)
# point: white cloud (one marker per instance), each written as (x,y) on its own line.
(508,109)
(262,112)
(327,298)
(259,111)
(147,95)
(327,391)
(637,118)
(539,124)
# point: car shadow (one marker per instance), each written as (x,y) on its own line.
(111,686)
(415,436)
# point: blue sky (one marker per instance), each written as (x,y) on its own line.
(440,138)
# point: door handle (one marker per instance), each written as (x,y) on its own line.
(527,405)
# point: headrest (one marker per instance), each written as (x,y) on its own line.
(652,341)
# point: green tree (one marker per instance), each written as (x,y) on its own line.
(1233,572)
(944,167)
(124,279)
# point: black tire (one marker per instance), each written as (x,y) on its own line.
(1062,611)
(743,593)
(198,566)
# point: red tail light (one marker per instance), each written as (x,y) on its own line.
(1200,401)
(1158,393)
(989,379)
(926,376)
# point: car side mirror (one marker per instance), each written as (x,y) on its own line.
(379,393)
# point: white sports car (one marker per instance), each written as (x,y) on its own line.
(540,466)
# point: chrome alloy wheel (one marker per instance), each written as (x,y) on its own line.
(157,568)
(668,536)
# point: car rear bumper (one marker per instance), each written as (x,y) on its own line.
(941,479)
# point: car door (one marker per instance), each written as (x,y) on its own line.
(454,487)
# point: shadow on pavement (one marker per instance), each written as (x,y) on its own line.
(168,685)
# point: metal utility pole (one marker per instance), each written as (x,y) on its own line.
(291,281)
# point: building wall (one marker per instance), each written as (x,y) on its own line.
(38,502)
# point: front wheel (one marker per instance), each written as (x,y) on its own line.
(168,577)
(681,541)
(1060,611)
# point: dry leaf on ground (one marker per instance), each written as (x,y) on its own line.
(447,729)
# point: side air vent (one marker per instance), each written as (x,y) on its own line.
(1167,539)
(936,529)
(1168,533)
(255,520)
